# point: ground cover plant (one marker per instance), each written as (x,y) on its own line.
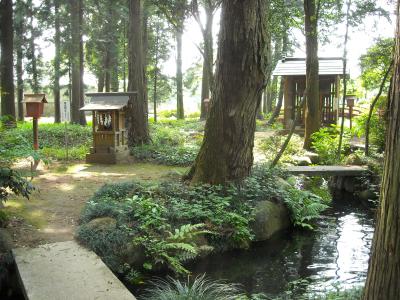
(173,142)
(172,223)
(16,142)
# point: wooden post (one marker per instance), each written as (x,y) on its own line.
(35,134)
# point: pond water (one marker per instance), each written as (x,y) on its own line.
(332,257)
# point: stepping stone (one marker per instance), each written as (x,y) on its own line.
(66,270)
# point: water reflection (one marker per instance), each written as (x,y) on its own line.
(334,256)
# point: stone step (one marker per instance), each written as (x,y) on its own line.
(66,270)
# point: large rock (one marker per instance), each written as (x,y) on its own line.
(367,195)
(314,157)
(271,217)
(302,160)
(102,224)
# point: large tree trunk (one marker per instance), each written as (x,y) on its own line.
(6,61)
(19,42)
(227,150)
(384,268)
(273,84)
(312,111)
(155,74)
(32,53)
(208,60)
(75,62)
(180,113)
(107,68)
(82,117)
(137,116)
(57,59)
(114,53)
(100,82)
(278,107)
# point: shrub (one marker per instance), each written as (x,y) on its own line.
(168,136)
(271,145)
(194,115)
(17,142)
(377,130)
(12,181)
(168,113)
(200,288)
(326,142)
(174,142)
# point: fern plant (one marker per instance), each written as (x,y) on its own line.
(175,248)
(304,207)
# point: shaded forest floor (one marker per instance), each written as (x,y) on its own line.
(52,212)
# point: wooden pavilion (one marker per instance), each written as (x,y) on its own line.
(293,71)
(109,128)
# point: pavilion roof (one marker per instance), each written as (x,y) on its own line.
(292,66)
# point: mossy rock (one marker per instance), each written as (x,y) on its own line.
(270,218)
(102,224)
(355,160)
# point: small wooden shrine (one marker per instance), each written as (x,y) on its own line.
(293,72)
(109,128)
(34,106)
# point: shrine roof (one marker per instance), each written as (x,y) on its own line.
(107,101)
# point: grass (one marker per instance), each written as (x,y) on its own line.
(200,288)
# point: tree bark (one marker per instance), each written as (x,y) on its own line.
(155,75)
(6,61)
(57,59)
(137,115)
(384,268)
(82,117)
(19,42)
(278,107)
(180,113)
(227,150)
(75,62)
(312,110)
(100,82)
(208,60)
(35,76)
(107,68)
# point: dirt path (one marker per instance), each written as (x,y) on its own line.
(52,213)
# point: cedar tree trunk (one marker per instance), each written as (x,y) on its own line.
(57,59)
(6,62)
(19,42)
(384,267)
(82,117)
(137,116)
(227,150)
(208,60)
(75,62)
(180,113)
(312,111)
